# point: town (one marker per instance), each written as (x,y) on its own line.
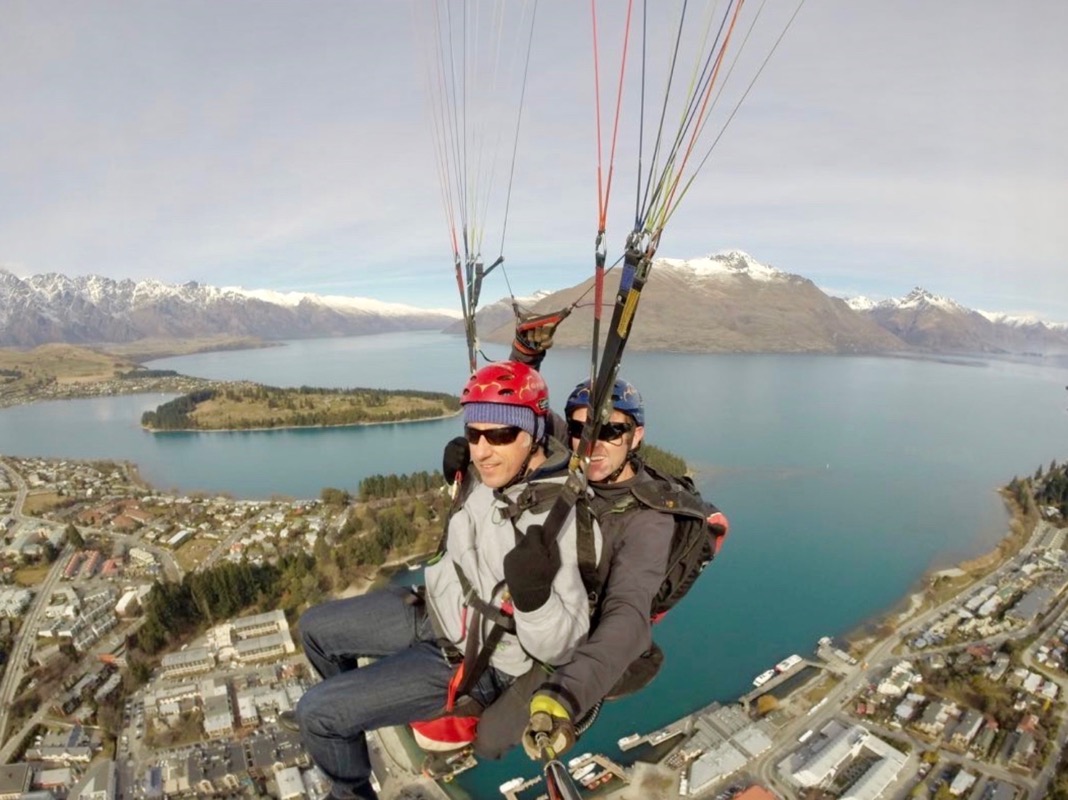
(960,696)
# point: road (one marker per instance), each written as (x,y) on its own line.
(878,659)
(24,640)
(20,652)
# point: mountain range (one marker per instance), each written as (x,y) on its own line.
(93,309)
(731,303)
(727,302)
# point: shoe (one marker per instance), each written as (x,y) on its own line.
(288,721)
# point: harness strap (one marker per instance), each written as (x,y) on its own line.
(477,654)
(501,617)
(587,552)
(535,498)
(477,659)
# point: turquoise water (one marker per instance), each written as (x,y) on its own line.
(844,478)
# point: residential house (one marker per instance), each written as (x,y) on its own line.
(961,783)
(966,729)
(14,780)
(1022,754)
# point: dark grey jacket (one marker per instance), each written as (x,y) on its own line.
(636,544)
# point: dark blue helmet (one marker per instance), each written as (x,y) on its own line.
(625,398)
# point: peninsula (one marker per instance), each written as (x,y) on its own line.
(64,372)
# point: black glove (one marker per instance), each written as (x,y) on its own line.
(455,460)
(534,335)
(529,569)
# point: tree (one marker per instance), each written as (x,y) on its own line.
(74,536)
(335,497)
(766,703)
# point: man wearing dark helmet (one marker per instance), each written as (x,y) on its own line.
(637,541)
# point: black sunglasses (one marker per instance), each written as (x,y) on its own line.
(495,436)
(611,432)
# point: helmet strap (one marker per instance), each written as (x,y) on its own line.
(632,459)
(522,472)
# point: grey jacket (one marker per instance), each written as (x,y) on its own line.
(479,537)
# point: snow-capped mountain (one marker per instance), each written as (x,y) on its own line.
(56,308)
(727,302)
(727,264)
(1001,318)
(499,313)
(940,324)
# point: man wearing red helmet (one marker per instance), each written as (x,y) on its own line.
(618,657)
(503,596)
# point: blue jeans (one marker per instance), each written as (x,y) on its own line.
(408,682)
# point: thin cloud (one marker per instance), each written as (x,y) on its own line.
(289,146)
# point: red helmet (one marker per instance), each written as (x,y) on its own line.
(508,383)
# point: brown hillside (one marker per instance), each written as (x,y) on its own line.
(684,312)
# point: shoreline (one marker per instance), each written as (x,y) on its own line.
(145,350)
(971,570)
(301,427)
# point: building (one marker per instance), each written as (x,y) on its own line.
(907,708)
(57,778)
(218,715)
(839,746)
(755,792)
(14,602)
(970,723)
(260,625)
(187,662)
(128,604)
(261,647)
(290,786)
(715,764)
(897,683)
(882,772)
(961,783)
(142,556)
(170,701)
(14,780)
(1030,605)
(934,718)
(1022,753)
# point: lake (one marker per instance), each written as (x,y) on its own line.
(845,478)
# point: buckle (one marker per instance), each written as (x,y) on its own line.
(451,655)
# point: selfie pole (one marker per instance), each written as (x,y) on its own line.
(557,778)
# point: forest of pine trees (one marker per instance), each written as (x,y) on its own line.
(663,461)
(174,415)
(175,610)
(377,487)
(1046,488)
(1051,487)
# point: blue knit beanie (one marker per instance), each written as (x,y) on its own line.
(500,414)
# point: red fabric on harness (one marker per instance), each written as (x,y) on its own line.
(454,684)
(719,519)
(448,731)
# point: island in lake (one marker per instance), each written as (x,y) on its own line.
(249,406)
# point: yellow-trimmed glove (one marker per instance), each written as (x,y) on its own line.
(549,728)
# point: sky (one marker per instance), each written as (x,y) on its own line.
(291,145)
